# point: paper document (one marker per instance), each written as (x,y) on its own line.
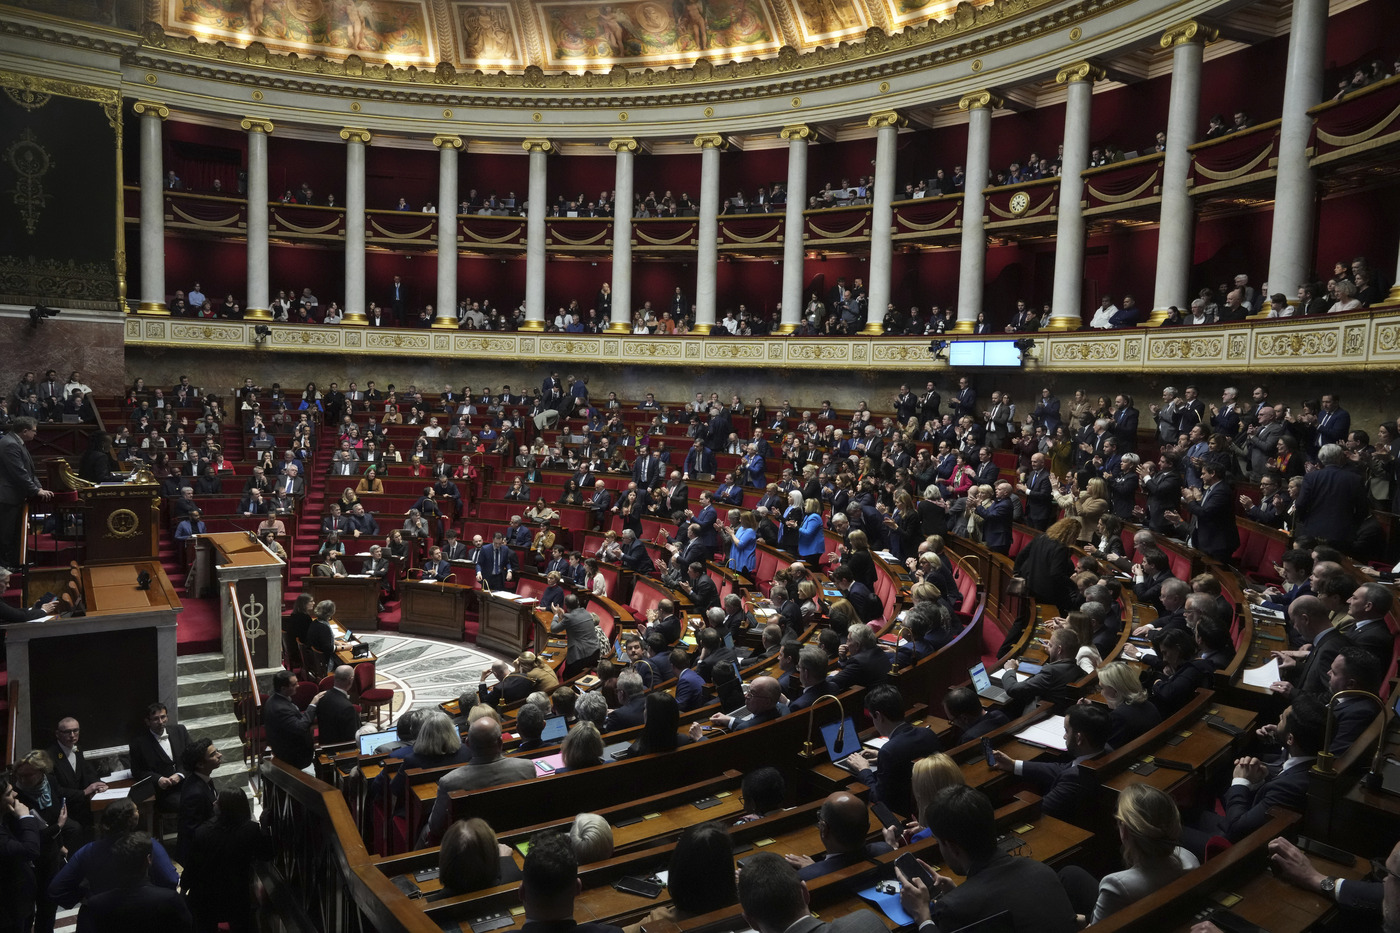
(1262,676)
(121,775)
(116,793)
(876,743)
(1049,733)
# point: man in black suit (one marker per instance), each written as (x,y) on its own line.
(1163,489)
(631,702)
(863,662)
(973,720)
(496,563)
(906,744)
(288,728)
(76,777)
(635,556)
(337,718)
(200,759)
(1308,671)
(774,899)
(1125,422)
(965,401)
(701,589)
(1066,790)
(599,504)
(1040,501)
(1368,607)
(842,825)
(156,750)
(1353,669)
(1212,527)
(135,903)
(1332,503)
(812,664)
(549,884)
(961,818)
(18,482)
(929,403)
(713,650)
(1149,577)
(647,470)
(1053,680)
(997,514)
(1253,792)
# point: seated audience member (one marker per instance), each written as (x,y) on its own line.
(1066,789)
(973,720)
(714,653)
(660,731)
(963,822)
(1131,712)
(764,703)
(219,876)
(862,661)
(763,790)
(812,664)
(774,900)
(930,775)
(1354,668)
(471,859)
(92,870)
(1253,791)
(549,883)
(437,744)
(1291,864)
(631,702)
(529,725)
(134,903)
(906,744)
(700,877)
(1149,827)
(1053,680)
(487,768)
(510,686)
(591,837)
(928,628)
(843,824)
(690,686)
(581,748)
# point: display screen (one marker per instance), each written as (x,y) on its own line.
(983,353)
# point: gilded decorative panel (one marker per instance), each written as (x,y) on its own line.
(1085,351)
(396,31)
(1295,343)
(822,21)
(487,35)
(649,32)
(1185,348)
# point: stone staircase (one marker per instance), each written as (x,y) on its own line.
(206,710)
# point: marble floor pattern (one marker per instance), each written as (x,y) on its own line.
(424,672)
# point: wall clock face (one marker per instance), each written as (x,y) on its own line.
(1020,202)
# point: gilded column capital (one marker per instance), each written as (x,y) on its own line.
(537,145)
(887,118)
(356,134)
(709,141)
(1080,71)
(623,144)
(980,100)
(799,131)
(447,141)
(257,125)
(1189,32)
(148,106)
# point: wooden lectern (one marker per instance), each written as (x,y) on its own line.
(507,623)
(238,558)
(437,609)
(117,522)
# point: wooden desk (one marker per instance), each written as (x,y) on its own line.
(507,624)
(123,651)
(356,599)
(437,609)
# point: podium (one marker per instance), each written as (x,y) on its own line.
(436,609)
(117,522)
(356,599)
(238,565)
(507,623)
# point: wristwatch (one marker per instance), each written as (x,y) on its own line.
(1328,886)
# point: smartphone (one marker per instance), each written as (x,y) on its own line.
(636,884)
(988,752)
(911,868)
(885,816)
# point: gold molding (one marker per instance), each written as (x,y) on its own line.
(143,107)
(623,144)
(537,144)
(447,141)
(1080,71)
(709,141)
(887,118)
(257,125)
(798,131)
(355,134)
(1187,33)
(981,100)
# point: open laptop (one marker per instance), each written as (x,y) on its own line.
(370,741)
(143,789)
(982,683)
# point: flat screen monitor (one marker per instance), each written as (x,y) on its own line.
(983,353)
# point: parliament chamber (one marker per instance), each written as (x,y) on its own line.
(1031,358)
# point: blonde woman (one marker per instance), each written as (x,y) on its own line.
(1133,715)
(931,774)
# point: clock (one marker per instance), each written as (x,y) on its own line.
(1020,203)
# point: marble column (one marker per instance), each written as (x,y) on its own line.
(446,318)
(1067,296)
(535,258)
(257,298)
(356,138)
(152,208)
(799,136)
(707,255)
(887,124)
(1177,230)
(972,261)
(1291,257)
(620,318)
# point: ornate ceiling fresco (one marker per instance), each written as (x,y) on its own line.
(555,35)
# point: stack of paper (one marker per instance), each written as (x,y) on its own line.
(1263,676)
(1049,733)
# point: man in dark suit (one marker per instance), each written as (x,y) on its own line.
(580,632)
(965,401)
(631,702)
(812,664)
(1040,502)
(1053,680)
(1353,669)
(1368,607)
(549,885)
(1308,671)
(288,728)
(1163,489)
(1212,527)
(135,903)
(76,777)
(487,768)
(701,589)
(842,826)
(200,759)
(774,900)
(496,564)
(599,503)
(863,662)
(973,720)
(996,519)
(1253,792)
(1148,578)
(1125,422)
(706,519)
(1333,421)
(337,718)
(156,750)
(690,686)
(18,482)
(906,744)
(964,823)
(1067,790)
(674,497)
(1332,503)
(647,470)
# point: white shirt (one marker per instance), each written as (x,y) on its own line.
(1102,317)
(163,740)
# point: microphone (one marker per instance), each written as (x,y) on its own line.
(809,750)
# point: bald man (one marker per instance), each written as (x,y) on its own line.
(844,823)
(763,703)
(486,769)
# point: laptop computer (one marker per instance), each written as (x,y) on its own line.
(842,739)
(982,683)
(368,743)
(143,789)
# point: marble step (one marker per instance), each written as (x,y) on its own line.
(199,663)
(206,706)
